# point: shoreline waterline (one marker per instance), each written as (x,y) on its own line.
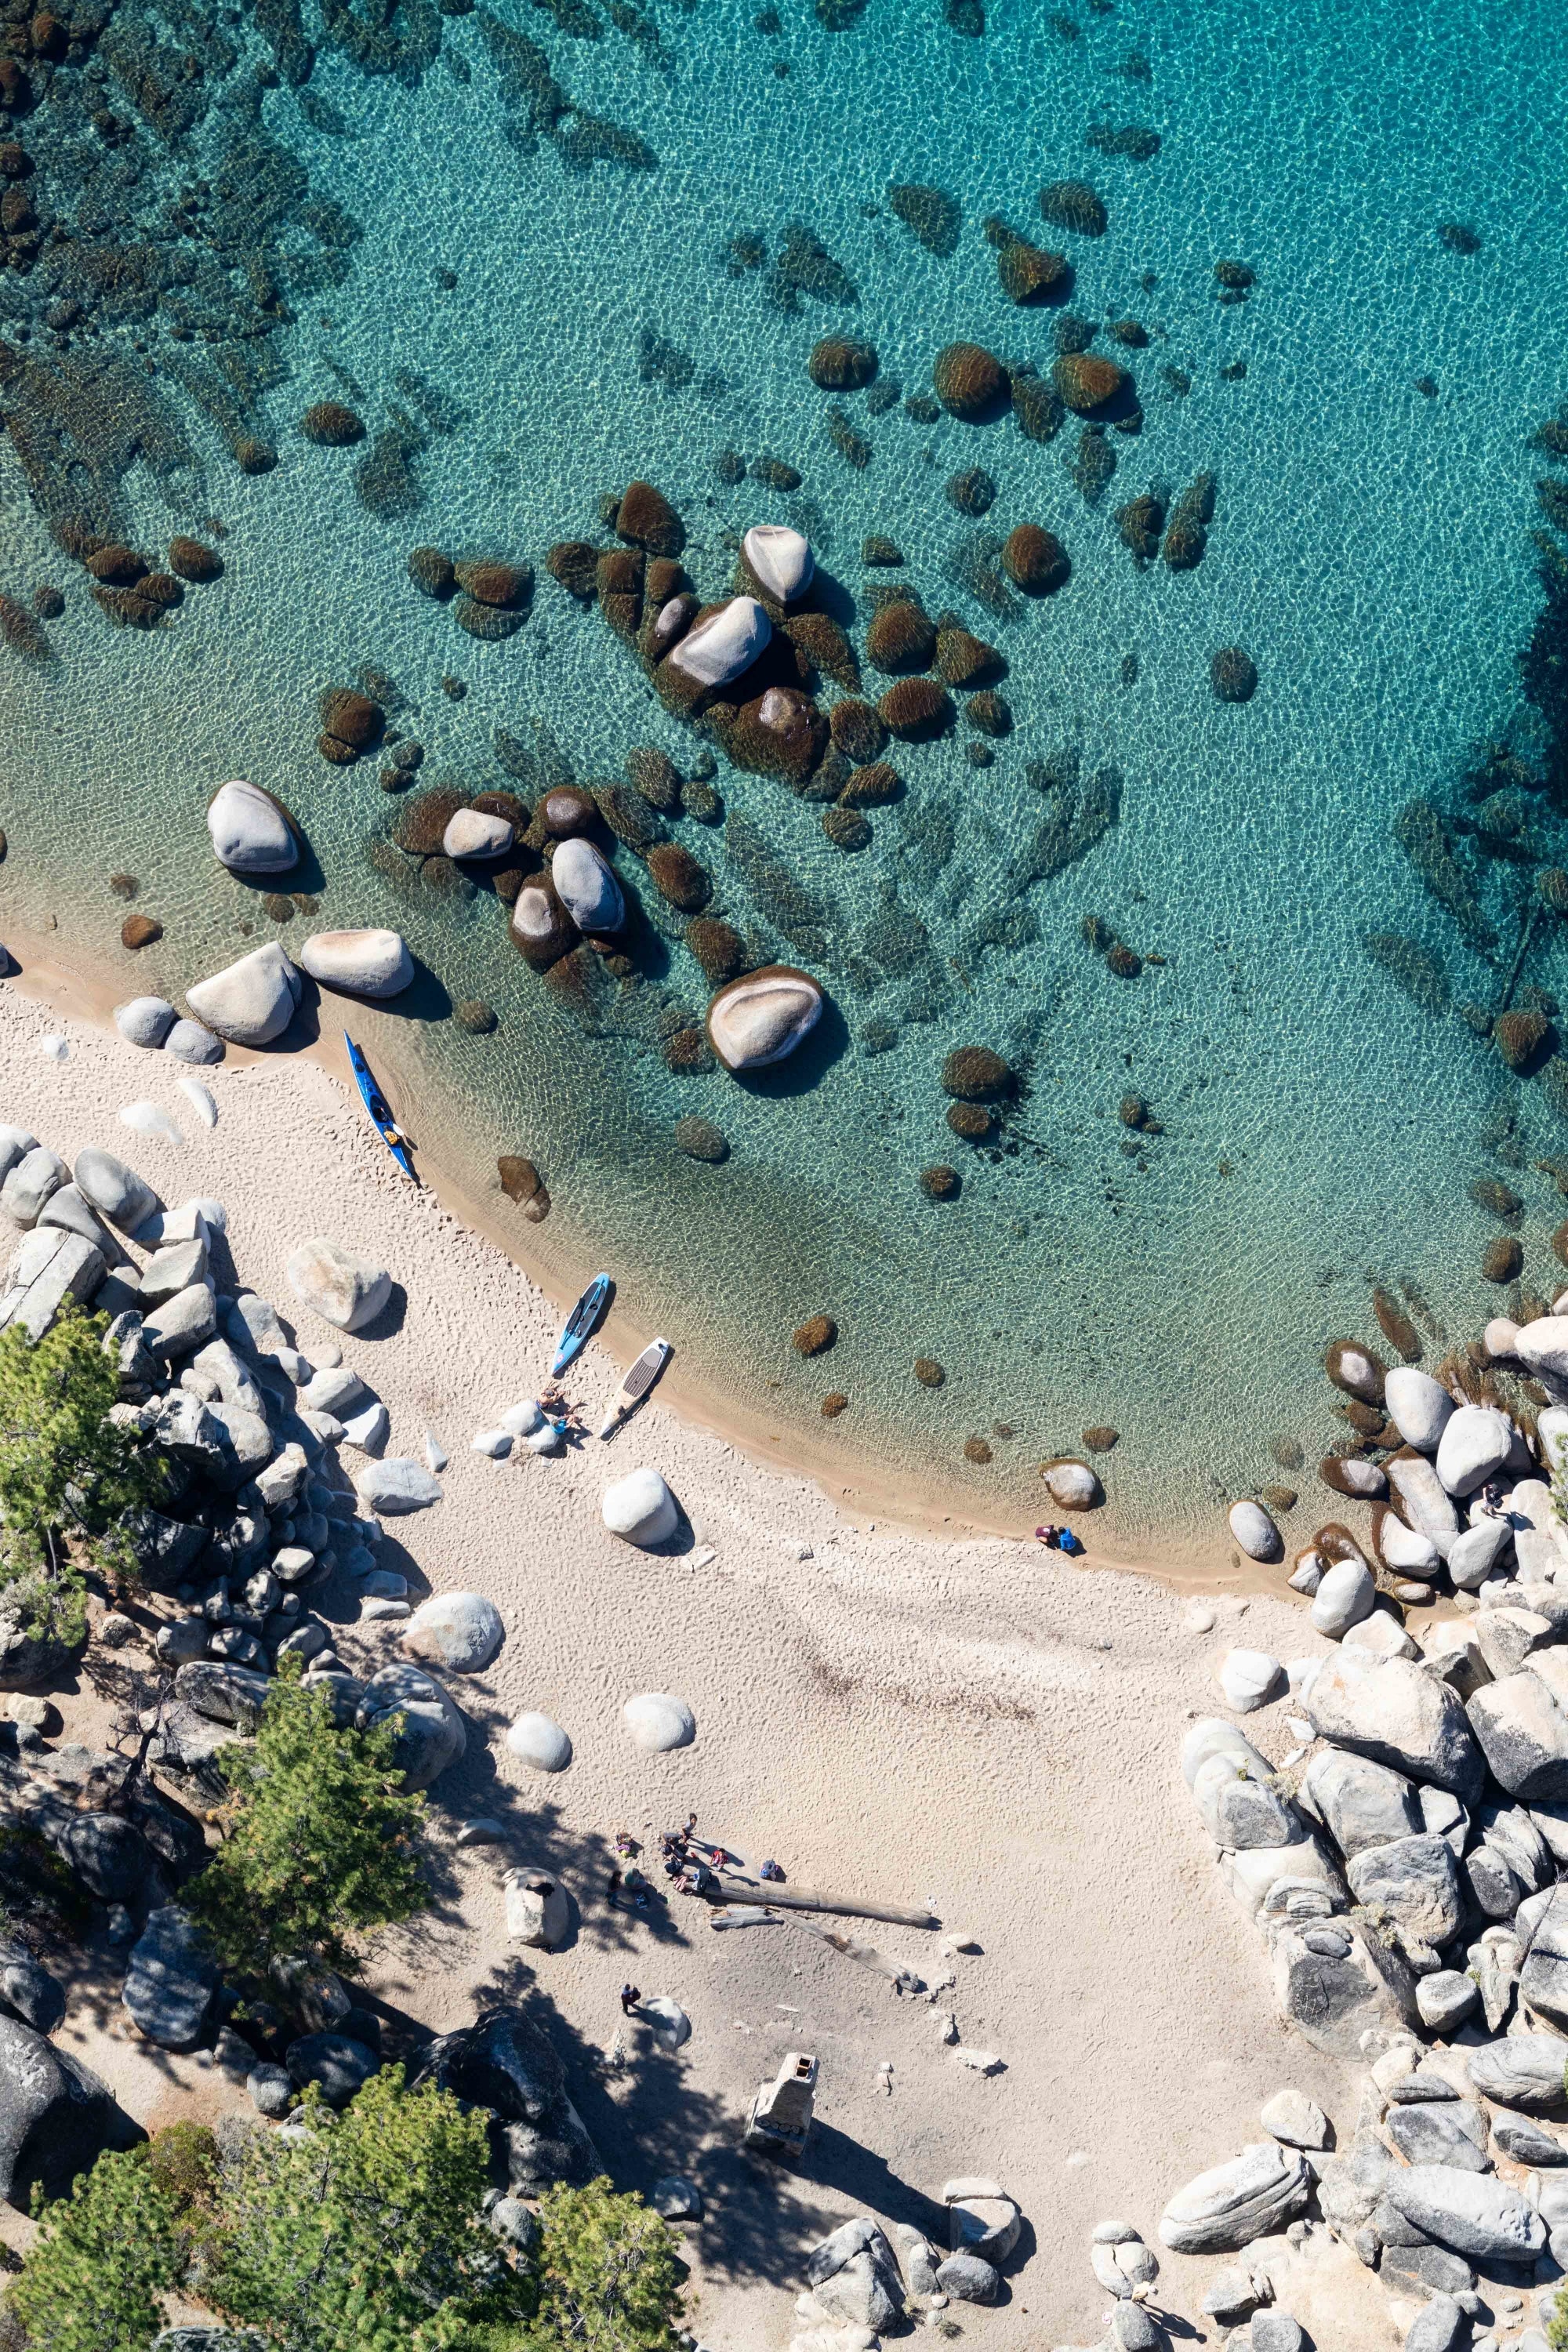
(862,1493)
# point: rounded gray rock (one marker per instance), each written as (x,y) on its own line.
(540,1741)
(968,2278)
(271,2090)
(460,1631)
(430,1734)
(145,1020)
(188,1041)
(340,2065)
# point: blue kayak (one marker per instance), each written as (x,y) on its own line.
(581,1324)
(376,1103)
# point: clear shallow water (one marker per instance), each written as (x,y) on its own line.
(1369,549)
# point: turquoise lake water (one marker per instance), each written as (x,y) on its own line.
(523,332)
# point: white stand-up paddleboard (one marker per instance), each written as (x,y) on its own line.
(640,1377)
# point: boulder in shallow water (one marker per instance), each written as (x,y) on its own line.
(1418,1406)
(1073,1485)
(761,1018)
(1252,1529)
(728,642)
(343,1289)
(250,1003)
(476,833)
(587,887)
(251,832)
(364,963)
(779,559)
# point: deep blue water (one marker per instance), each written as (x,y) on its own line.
(503,313)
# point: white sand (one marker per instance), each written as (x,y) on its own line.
(977,1725)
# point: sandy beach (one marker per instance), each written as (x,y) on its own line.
(968,1723)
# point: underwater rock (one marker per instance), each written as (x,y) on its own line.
(969,381)
(817,1333)
(928,1372)
(1522,1037)
(857,730)
(757,1021)
(1419,832)
(1077,814)
(718,947)
(915,710)
(114,566)
(189,560)
(990,713)
(645,519)
(477,834)
(1073,205)
(939,1182)
(679,877)
(1140,522)
(254,457)
(491,581)
(779,733)
(1093,464)
(332,425)
(823,649)
(972,1120)
(1029,273)
(489,624)
(850,443)
(352,722)
(840,363)
(1134,140)
(972,491)
(700,1139)
(1503,1260)
(574,562)
(1233,675)
(433,573)
(671,621)
(475,1015)
(976,1074)
(618,575)
(628,817)
(964,661)
(654,776)
(140,931)
(685,1051)
(900,638)
(874,786)
(832,1404)
(847,829)
(421,827)
(1232,279)
(541,928)
(1086,381)
(567,809)
(1420,975)
(930,214)
(1035,560)
(879,550)
(1187,533)
(1037,405)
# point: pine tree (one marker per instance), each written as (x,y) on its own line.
(321,1843)
(366,2234)
(609,2274)
(103,2257)
(68,1475)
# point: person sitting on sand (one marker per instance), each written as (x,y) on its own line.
(1049,1537)
(770,1870)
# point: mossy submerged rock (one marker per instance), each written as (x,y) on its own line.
(351,718)
(971,381)
(857,730)
(1074,206)
(1035,560)
(1233,675)
(976,1074)
(1029,273)
(815,1335)
(679,877)
(574,562)
(1087,381)
(645,519)
(700,1139)
(332,425)
(916,709)
(189,559)
(965,661)
(873,786)
(841,363)
(718,947)
(901,638)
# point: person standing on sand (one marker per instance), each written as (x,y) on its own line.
(630,1996)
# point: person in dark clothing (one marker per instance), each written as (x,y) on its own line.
(630,1996)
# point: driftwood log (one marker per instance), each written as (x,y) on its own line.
(810,1898)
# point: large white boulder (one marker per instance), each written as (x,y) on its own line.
(1343,1597)
(1073,1485)
(587,887)
(780,560)
(251,1001)
(1404,1549)
(658,1722)
(477,833)
(1470,2212)
(251,832)
(1476,1441)
(1252,1529)
(537,1911)
(1544,1346)
(364,963)
(640,1508)
(1249,1679)
(1393,1711)
(725,643)
(1424,1500)
(344,1290)
(115,1191)
(1253,2196)
(539,1740)
(1214,1737)
(761,1018)
(1418,1406)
